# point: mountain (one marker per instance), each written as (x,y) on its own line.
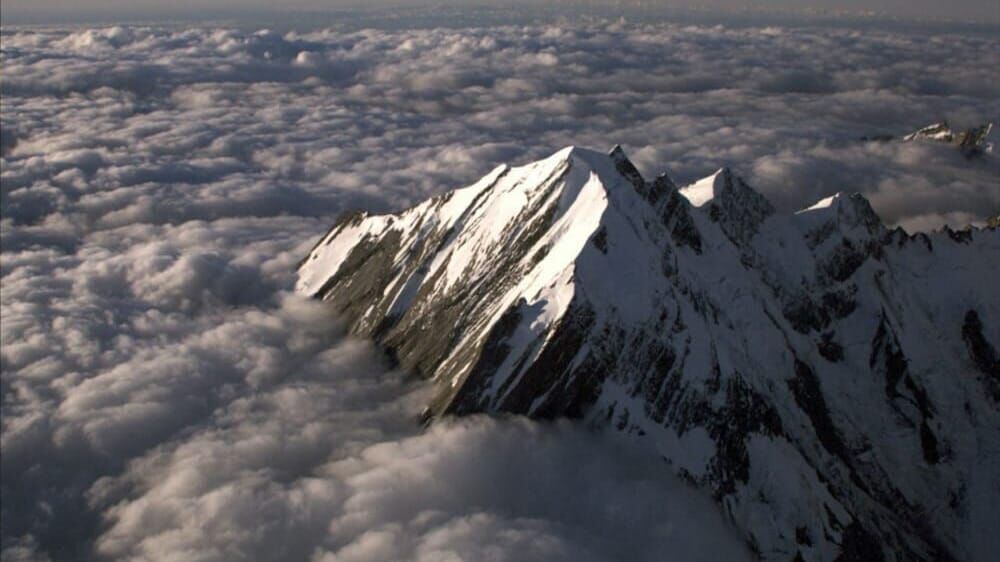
(833,383)
(972,142)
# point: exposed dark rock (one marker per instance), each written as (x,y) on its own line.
(575,387)
(840,302)
(601,240)
(859,545)
(737,208)
(887,355)
(808,395)
(963,236)
(362,277)
(802,536)
(982,352)
(628,170)
(805,316)
(844,261)
(929,444)
(830,349)
(675,214)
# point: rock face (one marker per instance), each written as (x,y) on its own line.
(833,383)
(972,142)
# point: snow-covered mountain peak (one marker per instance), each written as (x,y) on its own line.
(708,188)
(851,206)
(849,213)
(731,202)
(613,168)
(800,367)
(971,142)
(935,131)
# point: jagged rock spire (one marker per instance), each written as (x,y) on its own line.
(626,168)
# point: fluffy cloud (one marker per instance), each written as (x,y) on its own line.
(164,396)
(163,401)
(269,482)
(266,123)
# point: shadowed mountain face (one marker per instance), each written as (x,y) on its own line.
(833,383)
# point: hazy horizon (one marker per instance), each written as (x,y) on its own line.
(30,12)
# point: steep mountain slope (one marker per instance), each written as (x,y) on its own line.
(833,383)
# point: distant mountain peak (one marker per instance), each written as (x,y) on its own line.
(828,380)
(971,142)
(935,131)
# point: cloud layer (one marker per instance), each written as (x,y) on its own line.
(164,396)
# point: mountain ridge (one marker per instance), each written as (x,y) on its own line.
(739,342)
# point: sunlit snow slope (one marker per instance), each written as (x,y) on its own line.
(833,383)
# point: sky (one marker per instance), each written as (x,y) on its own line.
(165,393)
(40,11)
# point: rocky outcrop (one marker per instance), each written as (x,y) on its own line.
(971,142)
